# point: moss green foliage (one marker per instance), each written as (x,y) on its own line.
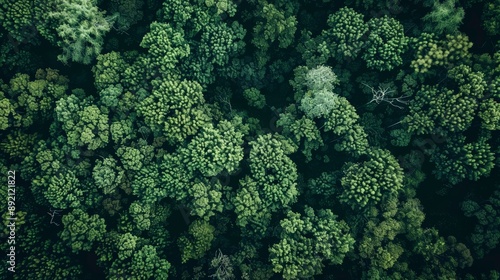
(108,70)
(385,44)
(451,110)
(347,27)
(431,52)
(485,237)
(343,122)
(127,13)
(459,160)
(489,114)
(309,240)
(254,98)
(273,171)
(274,24)
(342,40)
(32,101)
(16,18)
(54,257)
(368,182)
(7,111)
(165,46)
(81,230)
(107,175)
(303,130)
(258,139)
(197,242)
(252,215)
(215,149)
(84,124)
(63,191)
(490,17)
(174,109)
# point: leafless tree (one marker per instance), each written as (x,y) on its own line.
(222,264)
(380,95)
(52,214)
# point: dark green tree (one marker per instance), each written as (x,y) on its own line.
(309,240)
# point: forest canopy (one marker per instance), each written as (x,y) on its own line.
(254,140)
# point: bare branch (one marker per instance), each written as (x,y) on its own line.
(52,214)
(379,96)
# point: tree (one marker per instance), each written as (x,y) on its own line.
(251,213)
(174,177)
(33,101)
(145,263)
(17,18)
(64,191)
(17,145)
(274,25)
(490,18)
(215,149)
(54,175)
(108,175)
(343,122)
(108,70)
(220,41)
(459,160)
(81,230)
(301,129)
(324,185)
(431,52)
(141,214)
(6,112)
(128,13)
(342,117)
(485,237)
(490,114)
(345,33)
(202,196)
(109,96)
(174,109)
(367,182)
(222,266)
(452,110)
(436,107)
(444,18)
(306,241)
(188,16)
(385,44)
(130,157)
(206,199)
(321,78)
(146,184)
(43,257)
(401,137)
(166,47)
(254,98)
(197,242)
(85,124)
(378,244)
(80,40)
(318,103)
(273,171)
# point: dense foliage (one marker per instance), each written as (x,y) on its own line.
(254,139)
